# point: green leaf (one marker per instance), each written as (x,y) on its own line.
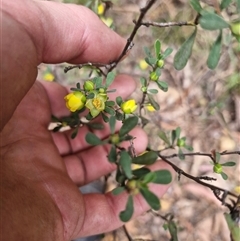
(149,177)
(95,126)
(143,81)
(153,91)
(228,164)
(225,4)
(212,21)
(162,177)
(147,158)
(125,163)
(98,82)
(112,156)
(128,125)
(120,177)
(151,61)
(215,52)
(119,100)
(162,85)
(78,85)
(147,52)
(166,53)
(189,148)
(176,134)
(118,190)
(196,5)
(110,103)
(153,102)
(180,154)
(105,117)
(233,227)
(119,116)
(140,172)
(238,5)
(109,110)
(112,123)
(224,175)
(110,78)
(185,51)
(172,227)
(150,198)
(74,133)
(157,46)
(128,212)
(217,157)
(163,136)
(92,139)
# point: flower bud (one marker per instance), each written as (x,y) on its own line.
(154,76)
(132,186)
(129,106)
(160,63)
(88,85)
(180,142)
(75,101)
(217,168)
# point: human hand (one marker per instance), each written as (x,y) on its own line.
(41,171)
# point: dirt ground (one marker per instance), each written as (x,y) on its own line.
(200,102)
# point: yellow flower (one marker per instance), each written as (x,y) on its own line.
(75,101)
(143,64)
(96,104)
(150,108)
(129,106)
(48,77)
(100,9)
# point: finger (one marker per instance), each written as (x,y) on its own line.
(64,142)
(92,163)
(67,32)
(102,211)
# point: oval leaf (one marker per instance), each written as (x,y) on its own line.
(125,163)
(128,125)
(147,158)
(128,212)
(153,103)
(118,190)
(167,52)
(196,5)
(228,164)
(184,53)
(157,47)
(162,177)
(162,85)
(112,156)
(112,123)
(92,139)
(215,53)
(140,172)
(150,198)
(163,136)
(110,79)
(149,177)
(212,21)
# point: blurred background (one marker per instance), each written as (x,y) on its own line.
(204,103)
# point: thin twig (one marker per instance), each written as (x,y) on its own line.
(169,24)
(196,179)
(138,24)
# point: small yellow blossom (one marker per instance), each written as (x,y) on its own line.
(48,77)
(75,101)
(100,9)
(237,190)
(97,104)
(143,64)
(129,106)
(150,108)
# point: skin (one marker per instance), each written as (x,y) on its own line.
(41,171)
